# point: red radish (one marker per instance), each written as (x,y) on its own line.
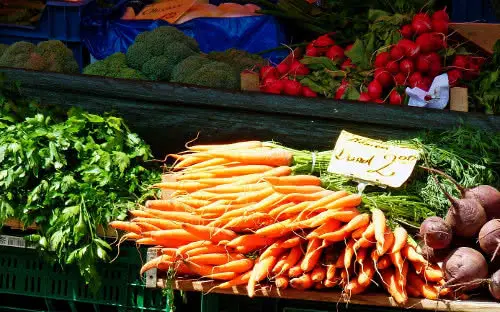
(364,97)
(424,83)
(478,60)
(395,98)
(406,31)
(414,79)
(323,41)
(410,48)
(341,90)
(275,87)
(383,77)
(283,69)
(311,50)
(472,72)
(400,79)
(297,68)
(382,59)
(307,92)
(461,61)
(421,23)
(269,80)
(454,77)
(292,87)
(406,66)
(435,69)
(440,26)
(423,64)
(347,64)
(428,97)
(392,67)
(430,42)
(348,48)
(397,53)
(441,15)
(375,89)
(379,101)
(267,71)
(336,53)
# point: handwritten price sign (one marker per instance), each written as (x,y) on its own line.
(168,10)
(372,160)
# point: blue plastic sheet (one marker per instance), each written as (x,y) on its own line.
(104,33)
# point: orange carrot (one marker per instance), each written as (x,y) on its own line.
(390,282)
(318,273)
(322,203)
(190,160)
(291,242)
(329,226)
(278,229)
(215,258)
(279,265)
(239,170)
(430,273)
(361,255)
(170,243)
(357,234)
(344,215)
(204,250)
(272,250)
(261,270)
(209,233)
(237,266)
(378,219)
(169,252)
(330,280)
(216,209)
(250,239)
(168,205)
(204,195)
(340,234)
(401,276)
(383,262)
(388,243)
(426,290)
(295,271)
(400,238)
(366,239)
(273,157)
(126,226)
(297,180)
(231,146)
(312,255)
(300,197)
(146,227)
(180,235)
(140,213)
(239,280)
(291,210)
(186,186)
(159,223)
(302,283)
(195,203)
(253,197)
(354,288)
(193,245)
(237,188)
(281,282)
(411,254)
(366,274)
(349,254)
(398,261)
(251,222)
(198,163)
(178,216)
(292,259)
(305,189)
(166,259)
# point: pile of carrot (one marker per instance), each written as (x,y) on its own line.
(236,214)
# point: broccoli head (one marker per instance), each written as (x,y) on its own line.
(18,54)
(188,66)
(215,75)
(3,47)
(155,53)
(240,60)
(114,66)
(57,56)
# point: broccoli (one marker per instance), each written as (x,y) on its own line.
(215,75)
(155,53)
(240,60)
(22,55)
(58,57)
(3,47)
(114,66)
(188,66)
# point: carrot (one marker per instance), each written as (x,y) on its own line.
(365,240)
(295,271)
(186,186)
(292,259)
(251,222)
(237,188)
(318,273)
(291,210)
(330,280)
(329,226)
(140,213)
(261,270)
(400,238)
(426,290)
(398,261)
(349,254)
(366,273)
(305,189)
(388,243)
(178,216)
(239,280)
(232,146)
(237,266)
(431,273)
(252,197)
(300,197)
(131,236)
(348,201)
(273,157)
(411,254)
(340,234)
(264,205)
(197,175)
(249,248)
(168,205)
(200,164)
(205,250)
(390,282)
(296,180)
(216,209)
(357,234)
(361,255)
(195,203)
(215,258)
(190,160)
(378,219)
(344,215)
(281,282)
(312,255)
(151,242)
(291,242)
(302,283)
(126,226)
(354,287)
(413,291)
(152,264)
(383,262)
(204,195)
(340,260)
(193,245)
(278,229)
(321,203)
(250,239)
(159,223)
(209,233)
(401,276)
(178,234)
(239,170)
(146,227)
(272,250)
(279,265)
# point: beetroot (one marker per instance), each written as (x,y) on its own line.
(268,71)
(382,59)
(414,79)
(395,98)
(406,66)
(440,26)
(282,69)
(383,77)
(434,255)
(375,89)
(336,53)
(454,77)
(392,67)
(311,50)
(292,87)
(406,31)
(297,68)
(465,268)
(465,216)
(494,285)
(400,79)
(441,15)
(307,92)
(341,90)
(347,64)
(421,23)
(436,233)
(364,97)
(489,238)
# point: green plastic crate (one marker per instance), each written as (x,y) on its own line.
(24,272)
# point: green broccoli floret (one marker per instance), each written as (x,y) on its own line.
(240,60)
(215,75)
(3,47)
(58,57)
(188,66)
(22,55)
(114,66)
(155,53)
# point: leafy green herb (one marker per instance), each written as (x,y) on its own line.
(486,89)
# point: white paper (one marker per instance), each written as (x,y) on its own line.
(439,91)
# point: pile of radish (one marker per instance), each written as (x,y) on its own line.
(467,240)
(282,79)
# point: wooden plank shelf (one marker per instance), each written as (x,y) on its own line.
(169,115)
(367,299)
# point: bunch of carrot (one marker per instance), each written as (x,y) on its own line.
(236,214)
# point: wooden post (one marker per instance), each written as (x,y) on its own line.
(459,99)
(151,275)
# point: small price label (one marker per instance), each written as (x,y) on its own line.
(14,241)
(168,10)
(372,160)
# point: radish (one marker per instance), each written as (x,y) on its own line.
(347,64)
(441,15)
(336,53)
(297,68)
(489,238)
(421,23)
(414,79)
(375,89)
(397,53)
(341,90)
(379,101)
(274,87)
(465,268)
(406,66)
(382,59)
(283,69)
(323,42)
(307,92)
(423,64)
(440,26)
(425,83)
(461,61)
(472,72)
(383,77)
(311,50)
(454,77)
(400,79)
(410,48)
(267,71)
(406,31)
(348,48)
(436,233)
(292,87)
(435,69)
(427,43)
(392,67)
(395,98)
(268,80)
(364,97)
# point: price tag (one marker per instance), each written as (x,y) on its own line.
(372,160)
(168,10)
(14,241)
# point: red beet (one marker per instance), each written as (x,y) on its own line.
(406,31)
(307,92)
(395,98)
(397,53)
(292,87)
(383,77)
(336,53)
(421,23)
(454,77)
(364,97)
(375,89)
(347,64)
(441,15)
(414,79)
(400,79)
(283,69)
(440,26)
(392,67)
(382,59)
(267,71)
(406,66)
(297,68)
(311,50)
